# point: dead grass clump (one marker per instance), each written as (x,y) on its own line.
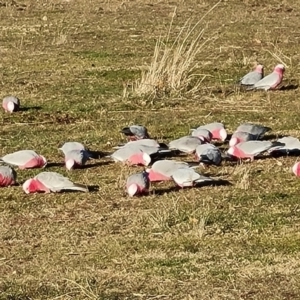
(173,67)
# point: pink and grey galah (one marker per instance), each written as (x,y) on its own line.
(11,104)
(248,132)
(203,134)
(133,155)
(271,81)
(138,184)
(253,77)
(251,149)
(76,159)
(25,159)
(136,132)
(188,177)
(162,170)
(51,182)
(186,144)
(217,130)
(208,154)
(8,176)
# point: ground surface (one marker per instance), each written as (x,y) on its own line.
(69,61)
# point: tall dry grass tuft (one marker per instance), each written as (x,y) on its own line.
(173,67)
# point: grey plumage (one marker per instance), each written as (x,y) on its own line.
(255,148)
(56,182)
(187,144)
(252,77)
(8,176)
(291,146)
(188,177)
(141,179)
(209,154)
(254,129)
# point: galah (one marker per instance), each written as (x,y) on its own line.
(51,182)
(162,170)
(138,184)
(253,77)
(251,149)
(203,134)
(136,132)
(291,146)
(186,144)
(25,159)
(271,81)
(240,136)
(188,177)
(8,176)
(209,154)
(76,159)
(11,104)
(255,129)
(217,130)
(70,146)
(296,169)
(135,155)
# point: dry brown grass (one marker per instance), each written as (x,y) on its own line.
(68,61)
(174,69)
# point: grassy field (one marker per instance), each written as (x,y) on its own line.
(75,65)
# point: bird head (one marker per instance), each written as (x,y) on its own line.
(70,164)
(10,106)
(132,190)
(27,186)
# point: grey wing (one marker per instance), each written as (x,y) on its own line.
(141,179)
(57,182)
(79,156)
(244,136)
(212,156)
(8,172)
(139,131)
(254,129)
(185,176)
(254,147)
(124,153)
(266,82)
(143,142)
(167,167)
(19,158)
(69,146)
(212,126)
(185,144)
(251,78)
(13,99)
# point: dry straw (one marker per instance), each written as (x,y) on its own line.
(173,67)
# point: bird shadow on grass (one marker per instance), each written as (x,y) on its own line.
(27,108)
(54,164)
(289,87)
(97,164)
(163,191)
(91,189)
(215,182)
(98,154)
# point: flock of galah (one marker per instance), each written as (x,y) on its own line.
(245,143)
